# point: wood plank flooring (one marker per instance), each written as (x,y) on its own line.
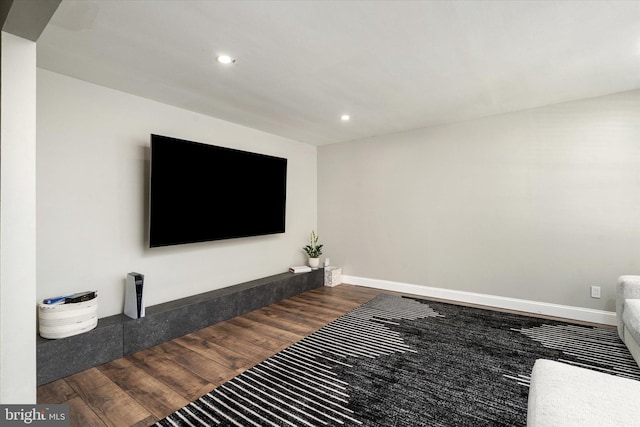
(142,388)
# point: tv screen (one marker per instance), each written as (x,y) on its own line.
(201,192)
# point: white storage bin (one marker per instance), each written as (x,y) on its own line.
(64,320)
(332,276)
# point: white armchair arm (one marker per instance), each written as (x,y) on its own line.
(628,288)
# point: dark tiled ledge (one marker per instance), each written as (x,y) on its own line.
(66,356)
(118,336)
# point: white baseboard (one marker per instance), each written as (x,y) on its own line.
(536,307)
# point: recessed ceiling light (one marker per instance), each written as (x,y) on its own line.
(345,117)
(225,59)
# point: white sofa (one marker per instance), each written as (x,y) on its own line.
(628,313)
(564,395)
(567,396)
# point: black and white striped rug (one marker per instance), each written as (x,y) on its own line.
(398,361)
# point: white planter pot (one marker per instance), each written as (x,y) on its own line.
(314,263)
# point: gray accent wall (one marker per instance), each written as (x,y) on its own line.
(537,205)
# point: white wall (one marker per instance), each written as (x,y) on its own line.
(92,184)
(537,205)
(17,220)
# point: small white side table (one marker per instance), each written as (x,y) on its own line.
(332,276)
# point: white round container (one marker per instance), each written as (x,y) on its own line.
(65,320)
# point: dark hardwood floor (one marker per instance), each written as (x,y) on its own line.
(142,388)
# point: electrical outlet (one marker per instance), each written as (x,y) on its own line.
(595,292)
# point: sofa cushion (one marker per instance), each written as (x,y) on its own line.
(565,396)
(631,319)
(628,287)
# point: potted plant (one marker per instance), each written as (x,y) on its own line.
(314,250)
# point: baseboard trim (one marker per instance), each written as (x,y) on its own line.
(527,306)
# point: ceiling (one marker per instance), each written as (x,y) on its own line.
(391,65)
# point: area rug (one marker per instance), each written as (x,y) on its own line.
(398,361)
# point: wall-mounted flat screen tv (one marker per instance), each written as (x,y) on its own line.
(201,192)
